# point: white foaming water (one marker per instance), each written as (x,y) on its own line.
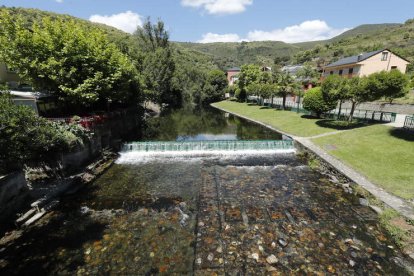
(135,157)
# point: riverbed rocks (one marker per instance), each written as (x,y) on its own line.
(239,219)
(244,226)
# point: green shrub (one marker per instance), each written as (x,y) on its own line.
(26,137)
(314,101)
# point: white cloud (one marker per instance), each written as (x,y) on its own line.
(307,31)
(210,37)
(219,6)
(59,1)
(126,21)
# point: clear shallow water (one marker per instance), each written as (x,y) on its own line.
(206,215)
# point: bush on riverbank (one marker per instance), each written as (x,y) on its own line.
(25,137)
(315,102)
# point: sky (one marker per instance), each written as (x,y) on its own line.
(234,20)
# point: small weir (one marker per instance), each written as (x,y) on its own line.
(233,145)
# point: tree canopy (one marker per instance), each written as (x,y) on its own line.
(73,61)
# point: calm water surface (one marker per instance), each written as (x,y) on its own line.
(233,215)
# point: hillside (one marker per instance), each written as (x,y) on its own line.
(235,54)
(397,37)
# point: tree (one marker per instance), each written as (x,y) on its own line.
(73,61)
(158,65)
(307,72)
(394,84)
(215,85)
(253,89)
(248,74)
(268,90)
(315,102)
(286,86)
(335,88)
(361,90)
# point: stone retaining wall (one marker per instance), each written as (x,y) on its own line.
(386,107)
(13,193)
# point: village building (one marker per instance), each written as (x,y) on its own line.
(366,64)
(232,75)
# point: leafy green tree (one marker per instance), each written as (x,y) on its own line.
(307,72)
(336,88)
(315,102)
(73,61)
(268,90)
(214,88)
(361,90)
(158,64)
(248,74)
(393,84)
(287,85)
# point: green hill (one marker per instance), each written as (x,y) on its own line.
(397,37)
(235,54)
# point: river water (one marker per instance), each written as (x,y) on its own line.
(244,214)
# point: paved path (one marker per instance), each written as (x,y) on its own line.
(399,121)
(397,203)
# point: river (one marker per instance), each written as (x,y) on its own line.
(238,214)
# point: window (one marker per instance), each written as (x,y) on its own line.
(340,72)
(331,73)
(393,67)
(384,56)
(351,71)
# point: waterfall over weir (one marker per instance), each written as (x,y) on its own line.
(190,146)
(147,151)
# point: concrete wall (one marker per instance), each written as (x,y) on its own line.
(13,193)
(376,64)
(395,108)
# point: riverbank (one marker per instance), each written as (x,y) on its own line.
(370,149)
(390,153)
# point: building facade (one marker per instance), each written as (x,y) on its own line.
(232,75)
(366,64)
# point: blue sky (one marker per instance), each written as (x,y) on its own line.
(234,20)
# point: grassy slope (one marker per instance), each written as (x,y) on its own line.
(383,154)
(366,29)
(286,121)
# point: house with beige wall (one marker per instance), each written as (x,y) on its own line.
(366,64)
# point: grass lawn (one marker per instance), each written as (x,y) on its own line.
(383,154)
(287,121)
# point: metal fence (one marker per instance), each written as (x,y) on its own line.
(359,114)
(364,115)
(409,122)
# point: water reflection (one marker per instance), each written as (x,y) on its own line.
(203,124)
